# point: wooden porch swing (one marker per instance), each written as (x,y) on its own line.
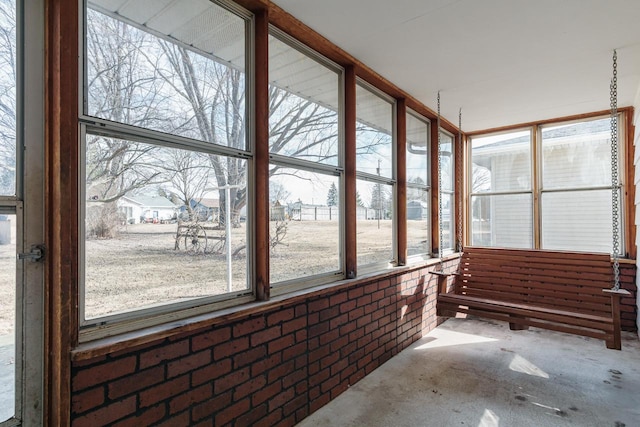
(555,290)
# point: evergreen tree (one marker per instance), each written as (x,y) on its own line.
(332,195)
(359,201)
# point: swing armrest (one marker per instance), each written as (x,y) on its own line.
(443,279)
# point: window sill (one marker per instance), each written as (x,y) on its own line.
(141,337)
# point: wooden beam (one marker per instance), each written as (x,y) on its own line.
(261,155)
(61,205)
(350,207)
(629,197)
(401,179)
(435,221)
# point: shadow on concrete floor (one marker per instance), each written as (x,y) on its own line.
(479,373)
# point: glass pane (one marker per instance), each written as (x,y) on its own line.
(175,68)
(374,130)
(577,220)
(577,155)
(374,216)
(501,162)
(448,218)
(417,151)
(447,161)
(8,73)
(502,221)
(304,100)
(418,214)
(304,224)
(7,316)
(156,225)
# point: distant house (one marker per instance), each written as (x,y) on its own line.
(417,210)
(203,209)
(139,209)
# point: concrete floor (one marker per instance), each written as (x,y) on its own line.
(479,373)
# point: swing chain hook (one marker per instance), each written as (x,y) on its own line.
(615,175)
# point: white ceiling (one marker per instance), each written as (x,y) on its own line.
(502,61)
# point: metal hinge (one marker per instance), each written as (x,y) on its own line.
(34,255)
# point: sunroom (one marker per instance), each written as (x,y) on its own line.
(317,175)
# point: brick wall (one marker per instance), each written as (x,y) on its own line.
(268,369)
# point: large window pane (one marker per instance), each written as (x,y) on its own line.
(447,174)
(374,215)
(178,70)
(374,130)
(577,155)
(502,221)
(156,225)
(418,224)
(8,73)
(304,224)
(7,316)
(501,162)
(577,220)
(417,151)
(304,99)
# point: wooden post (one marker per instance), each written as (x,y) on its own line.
(261,155)
(435,221)
(615,342)
(350,208)
(401,156)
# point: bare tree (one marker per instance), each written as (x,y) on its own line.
(8,117)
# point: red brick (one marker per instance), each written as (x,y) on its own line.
(210,339)
(231,347)
(266,393)
(294,325)
(356,313)
(161,354)
(254,384)
(252,417)
(234,411)
(188,363)
(318,305)
(249,356)
(301,310)
(280,316)
(280,371)
(104,372)
(263,365)
(281,398)
(89,399)
(266,335)
(338,299)
(136,382)
(319,378)
(319,402)
(339,321)
(318,329)
(270,420)
(294,351)
(339,366)
(249,326)
(107,414)
(209,407)
(231,380)
(329,313)
(146,418)
(182,419)
(191,397)
(364,300)
(294,377)
(211,372)
(356,293)
(164,391)
(347,306)
(281,343)
(330,359)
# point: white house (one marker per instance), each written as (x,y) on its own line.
(139,209)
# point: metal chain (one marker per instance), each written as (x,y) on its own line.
(440,230)
(615,174)
(459,160)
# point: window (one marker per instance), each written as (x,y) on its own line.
(166,159)
(447,189)
(418,186)
(576,186)
(375,186)
(571,184)
(306,173)
(501,193)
